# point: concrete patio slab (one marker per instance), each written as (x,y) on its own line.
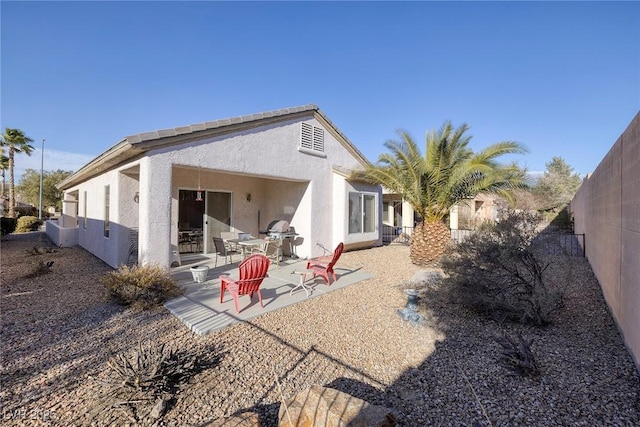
(200,307)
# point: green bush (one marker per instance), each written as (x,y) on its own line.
(8,225)
(141,287)
(26,211)
(497,271)
(27,223)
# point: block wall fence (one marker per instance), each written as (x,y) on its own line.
(606,209)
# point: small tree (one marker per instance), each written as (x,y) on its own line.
(557,187)
(496,271)
(29,187)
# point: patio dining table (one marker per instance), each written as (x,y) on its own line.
(247,245)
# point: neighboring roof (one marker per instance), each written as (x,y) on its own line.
(134,145)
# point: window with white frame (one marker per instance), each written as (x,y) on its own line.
(362,212)
(106,211)
(311,137)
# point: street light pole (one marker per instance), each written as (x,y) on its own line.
(41,170)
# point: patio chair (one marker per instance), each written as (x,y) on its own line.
(323,266)
(253,270)
(223,251)
(270,249)
(229,235)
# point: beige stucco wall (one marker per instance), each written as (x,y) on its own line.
(606,209)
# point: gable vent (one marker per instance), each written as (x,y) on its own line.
(306,136)
(318,139)
(311,139)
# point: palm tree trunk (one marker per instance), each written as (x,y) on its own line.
(3,185)
(428,242)
(12,190)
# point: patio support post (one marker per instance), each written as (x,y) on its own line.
(407,217)
(154,240)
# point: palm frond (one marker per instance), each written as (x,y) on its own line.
(448,172)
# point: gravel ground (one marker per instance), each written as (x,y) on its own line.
(59,330)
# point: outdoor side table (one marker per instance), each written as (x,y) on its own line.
(303,273)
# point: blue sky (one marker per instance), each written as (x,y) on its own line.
(563,78)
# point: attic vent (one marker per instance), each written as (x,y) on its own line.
(311,138)
(318,139)
(306,137)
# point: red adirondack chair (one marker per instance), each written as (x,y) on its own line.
(323,266)
(253,270)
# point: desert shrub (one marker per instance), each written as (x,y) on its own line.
(40,269)
(150,367)
(40,250)
(27,223)
(8,225)
(26,211)
(517,355)
(141,287)
(142,382)
(498,271)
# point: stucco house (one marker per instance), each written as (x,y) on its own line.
(236,174)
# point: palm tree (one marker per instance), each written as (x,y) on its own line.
(449,173)
(17,142)
(4,165)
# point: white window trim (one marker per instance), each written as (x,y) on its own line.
(362,212)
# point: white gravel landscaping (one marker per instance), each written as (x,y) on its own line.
(59,330)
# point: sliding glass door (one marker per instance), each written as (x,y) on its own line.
(217,216)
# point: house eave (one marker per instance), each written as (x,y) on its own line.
(136,145)
(105,161)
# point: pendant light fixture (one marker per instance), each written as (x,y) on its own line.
(199,192)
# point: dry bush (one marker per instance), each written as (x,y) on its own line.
(141,287)
(40,269)
(497,271)
(517,355)
(150,368)
(142,382)
(41,250)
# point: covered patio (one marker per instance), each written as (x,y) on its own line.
(200,308)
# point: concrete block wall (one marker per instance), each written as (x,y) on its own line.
(606,209)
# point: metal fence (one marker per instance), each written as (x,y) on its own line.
(562,243)
(402,235)
(552,241)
